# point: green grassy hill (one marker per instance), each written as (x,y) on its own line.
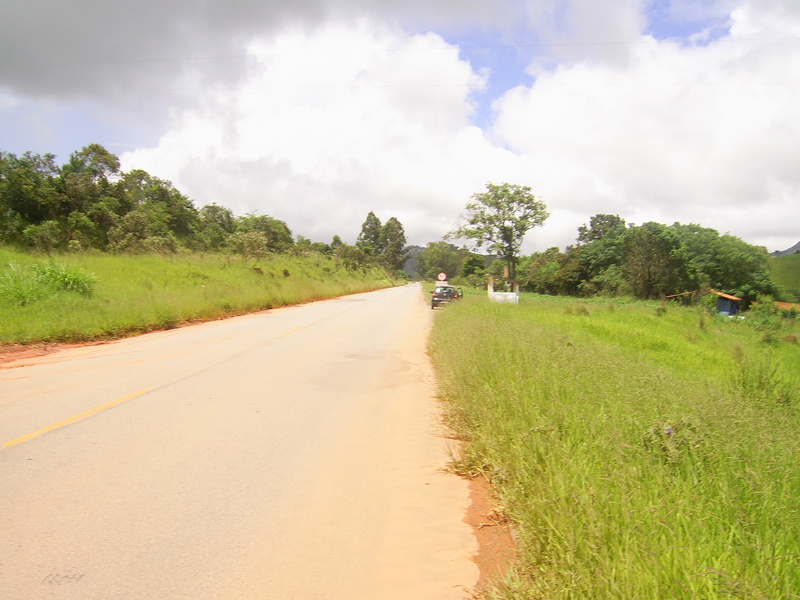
(786,272)
(82,297)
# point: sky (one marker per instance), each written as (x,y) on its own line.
(318,111)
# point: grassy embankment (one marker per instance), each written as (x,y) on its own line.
(640,452)
(102,296)
(786,271)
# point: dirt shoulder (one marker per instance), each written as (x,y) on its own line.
(496,547)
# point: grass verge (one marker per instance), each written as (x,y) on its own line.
(641,452)
(76,298)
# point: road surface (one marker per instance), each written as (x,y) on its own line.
(291,454)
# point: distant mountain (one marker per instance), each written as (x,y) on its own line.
(793,250)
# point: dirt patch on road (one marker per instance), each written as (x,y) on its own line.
(13,352)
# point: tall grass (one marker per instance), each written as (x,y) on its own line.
(98,296)
(640,452)
(22,286)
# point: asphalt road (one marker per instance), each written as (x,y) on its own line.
(292,454)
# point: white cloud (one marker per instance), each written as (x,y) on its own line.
(331,124)
(690,134)
(317,112)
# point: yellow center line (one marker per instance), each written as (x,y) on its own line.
(72,419)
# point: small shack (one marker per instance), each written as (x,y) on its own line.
(507,297)
(726,304)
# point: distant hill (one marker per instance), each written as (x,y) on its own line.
(793,250)
(412,252)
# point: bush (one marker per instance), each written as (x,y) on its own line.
(23,286)
(65,278)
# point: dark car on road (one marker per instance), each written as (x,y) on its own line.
(442,294)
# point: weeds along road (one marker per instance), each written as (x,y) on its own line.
(292,454)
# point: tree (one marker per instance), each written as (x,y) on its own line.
(499,218)
(139,189)
(474,264)
(553,272)
(599,227)
(215,224)
(28,192)
(655,262)
(131,231)
(279,237)
(392,243)
(84,179)
(95,161)
(600,253)
(249,244)
(439,257)
(726,263)
(369,240)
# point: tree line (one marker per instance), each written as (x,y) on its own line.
(610,257)
(652,260)
(88,203)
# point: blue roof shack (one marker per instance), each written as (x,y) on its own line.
(726,304)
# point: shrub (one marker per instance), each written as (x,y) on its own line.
(23,286)
(65,278)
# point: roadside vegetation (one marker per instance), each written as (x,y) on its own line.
(611,258)
(89,204)
(82,297)
(641,450)
(90,252)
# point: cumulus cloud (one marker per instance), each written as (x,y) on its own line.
(701,134)
(331,124)
(317,112)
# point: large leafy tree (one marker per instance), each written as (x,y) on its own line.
(727,263)
(601,253)
(655,262)
(499,218)
(440,257)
